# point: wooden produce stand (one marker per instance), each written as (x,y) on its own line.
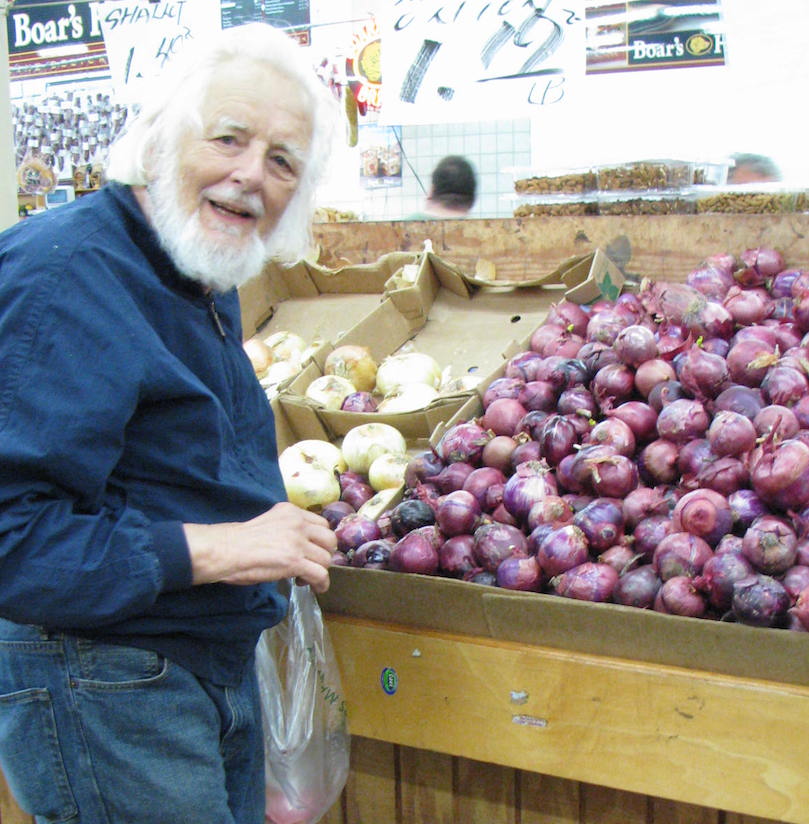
(461,727)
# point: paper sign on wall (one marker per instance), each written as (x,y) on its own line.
(142,37)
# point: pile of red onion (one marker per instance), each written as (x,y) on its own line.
(651,451)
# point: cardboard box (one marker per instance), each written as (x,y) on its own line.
(448,605)
(465,323)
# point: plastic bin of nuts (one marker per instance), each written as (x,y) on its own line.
(751,199)
(555,182)
(647,203)
(555,205)
(646,175)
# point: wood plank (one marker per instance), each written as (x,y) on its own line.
(734,744)
(545,799)
(484,793)
(661,246)
(425,786)
(371,789)
(605,805)
(671,812)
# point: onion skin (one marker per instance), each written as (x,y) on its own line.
(590,581)
(703,513)
(679,596)
(682,420)
(770,544)
(463,442)
(519,572)
(680,554)
(718,577)
(455,556)
(415,553)
(780,476)
(458,513)
(637,587)
(495,542)
(562,549)
(760,601)
(731,433)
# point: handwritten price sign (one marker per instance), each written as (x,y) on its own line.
(475,59)
(142,37)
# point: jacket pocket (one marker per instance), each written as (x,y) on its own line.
(30,756)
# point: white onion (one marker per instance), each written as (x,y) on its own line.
(329,391)
(312,452)
(286,345)
(387,471)
(260,355)
(310,486)
(278,372)
(353,362)
(407,367)
(364,443)
(407,398)
(463,383)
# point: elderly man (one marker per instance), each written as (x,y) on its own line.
(143,520)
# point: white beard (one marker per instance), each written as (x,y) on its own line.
(220,266)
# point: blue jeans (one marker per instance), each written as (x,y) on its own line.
(94,733)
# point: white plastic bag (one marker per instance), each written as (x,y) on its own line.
(306,738)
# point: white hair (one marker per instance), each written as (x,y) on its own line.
(176,101)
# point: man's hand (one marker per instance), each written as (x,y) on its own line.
(284,542)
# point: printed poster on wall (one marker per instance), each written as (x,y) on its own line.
(639,34)
(142,37)
(474,60)
(291,15)
(380,157)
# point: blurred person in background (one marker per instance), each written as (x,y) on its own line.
(452,191)
(143,518)
(753,168)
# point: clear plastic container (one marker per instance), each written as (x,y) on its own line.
(646,175)
(750,198)
(556,181)
(647,203)
(555,205)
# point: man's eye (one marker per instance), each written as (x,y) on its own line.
(226,139)
(281,161)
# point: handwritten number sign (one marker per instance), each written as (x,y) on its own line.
(473,59)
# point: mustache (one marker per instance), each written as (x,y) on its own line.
(235,198)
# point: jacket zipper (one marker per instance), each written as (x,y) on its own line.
(217,322)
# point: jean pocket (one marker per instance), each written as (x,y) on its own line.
(116,667)
(30,755)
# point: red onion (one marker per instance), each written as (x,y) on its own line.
(776,421)
(649,533)
(718,576)
(567,344)
(356,529)
(498,452)
(544,334)
(748,306)
(677,303)
(614,432)
(703,374)
(552,509)
(479,480)
(458,513)
(359,402)
(784,385)
(657,462)
(613,476)
(742,399)
(642,502)
(748,361)
(569,315)
(453,476)
(770,544)
(523,365)
(780,474)
(716,346)
(357,494)
(801,412)
(712,280)
(620,557)
(520,572)
(557,437)
(764,263)
(605,326)
(409,515)
(745,507)
(693,456)
(637,587)
(422,466)
(731,433)
(723,475)
(596,354)
(576,401)
(679,596)
(503,415)
(336,511)
(562,549)
(455,557)
(372,554)
(495,542)
(795,580)
(614,382)
(530,482)
(667,392)
(526,450)
(503,516)
(416,552)
(760,601)
(502,388)
(602,523)
(781,284)
(538,396)
(634,345)
(682,420)
(680,553)
(589,581)
(703,513)
(729,544)
(531,425)
(562,372)
(463,442)
(339,558)
(493,498)
(652,372)
(639,416)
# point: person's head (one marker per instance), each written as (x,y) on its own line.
(230,150)
(752,168)
(454,184)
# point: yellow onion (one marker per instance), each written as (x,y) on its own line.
(407,367)
(408,398)
(353,362)
(311,452)
(286,346)
(311,486)
(329,391)
(363,444)
(388,471)
(279,372)
(260,355)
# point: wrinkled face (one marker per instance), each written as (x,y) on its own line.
(217,201)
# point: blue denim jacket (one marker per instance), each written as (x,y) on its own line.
(127,407)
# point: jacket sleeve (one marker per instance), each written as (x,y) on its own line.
(73,553)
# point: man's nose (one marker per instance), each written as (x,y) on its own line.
(249,168)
